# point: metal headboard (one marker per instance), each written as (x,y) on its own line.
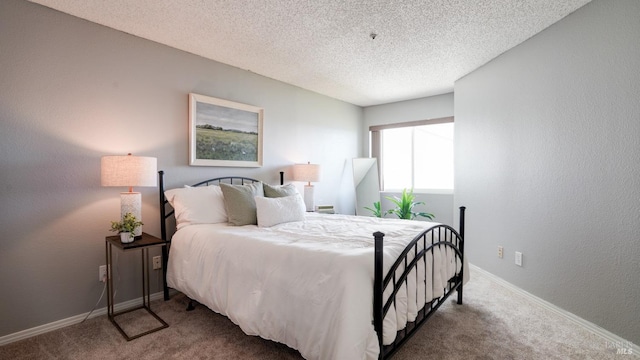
(165,215)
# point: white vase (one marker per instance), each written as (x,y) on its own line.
(126,237)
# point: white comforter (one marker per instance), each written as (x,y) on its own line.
(307,284)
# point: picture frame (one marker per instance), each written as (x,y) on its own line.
(224,133)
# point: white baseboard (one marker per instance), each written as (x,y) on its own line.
(24,334)
(607,335)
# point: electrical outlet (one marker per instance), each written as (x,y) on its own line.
(500,252)
(518,258)
(102,273)
(157,262)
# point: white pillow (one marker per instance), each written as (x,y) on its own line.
(197,205)
(274,211)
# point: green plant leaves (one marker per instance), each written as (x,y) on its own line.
(405,205)
(377,211)
(128,224)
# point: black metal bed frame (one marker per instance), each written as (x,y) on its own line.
(416,252)
(421,247)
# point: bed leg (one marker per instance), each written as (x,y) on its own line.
(192,305)
(165,262)
(461,246)
(378,288)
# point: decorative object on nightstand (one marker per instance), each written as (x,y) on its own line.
(126,227)
(147,241)
(325,209)
(129,171)
(308,173)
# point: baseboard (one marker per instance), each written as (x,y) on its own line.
(24,334)
(610,338)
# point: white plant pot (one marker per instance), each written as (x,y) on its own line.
(126,237)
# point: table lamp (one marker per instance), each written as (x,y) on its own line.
(129,171)
(309,173)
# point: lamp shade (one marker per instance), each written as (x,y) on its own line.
(128,170)
(306,172)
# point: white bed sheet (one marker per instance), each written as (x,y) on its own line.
(307,284)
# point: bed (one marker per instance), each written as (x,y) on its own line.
(331,286)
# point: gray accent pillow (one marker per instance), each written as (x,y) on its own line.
(279,191)
(240,203)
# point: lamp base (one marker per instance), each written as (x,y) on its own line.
(131,202)
(308,197)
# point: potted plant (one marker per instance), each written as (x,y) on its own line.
(377,209)
(405,205)
(126,227)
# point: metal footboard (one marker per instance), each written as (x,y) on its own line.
(440,237)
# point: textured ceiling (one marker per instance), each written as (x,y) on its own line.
(421,47)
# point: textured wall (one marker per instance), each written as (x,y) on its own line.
(547,161)
(72,91)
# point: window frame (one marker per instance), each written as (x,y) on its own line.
(375,150)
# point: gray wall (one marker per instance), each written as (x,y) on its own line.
(547,162)
(433,107)
(73,91)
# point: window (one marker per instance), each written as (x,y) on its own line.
(416,155)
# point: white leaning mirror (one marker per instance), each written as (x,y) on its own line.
(366,183)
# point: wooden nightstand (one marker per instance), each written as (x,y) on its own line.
(147,241)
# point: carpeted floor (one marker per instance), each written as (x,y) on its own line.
(494,323)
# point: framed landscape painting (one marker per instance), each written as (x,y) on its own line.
(224,133)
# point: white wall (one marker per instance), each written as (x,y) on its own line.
(433,107)
(73,91)
(547,162)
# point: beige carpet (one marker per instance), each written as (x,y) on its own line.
(494,323)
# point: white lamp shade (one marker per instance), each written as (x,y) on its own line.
(128,170)
(306,172)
